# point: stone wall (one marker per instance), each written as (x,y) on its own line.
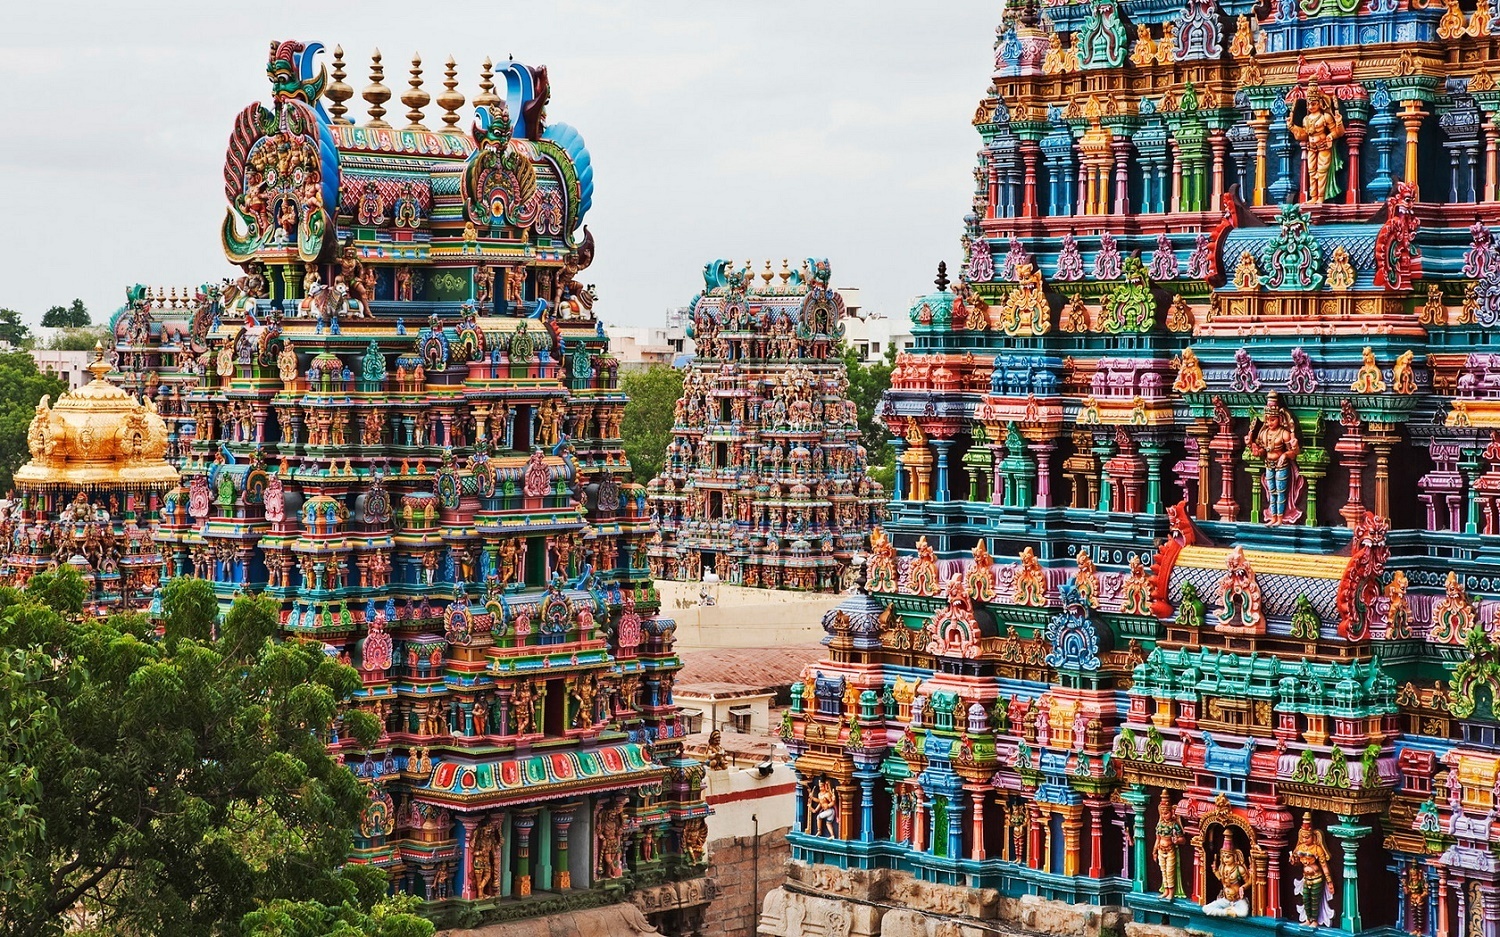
(732,867)
(824,901)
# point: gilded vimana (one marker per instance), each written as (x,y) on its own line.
(1138,580)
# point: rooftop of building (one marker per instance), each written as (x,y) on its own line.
(745,669)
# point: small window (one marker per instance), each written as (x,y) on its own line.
(875,348)
(739,718)
(692,720)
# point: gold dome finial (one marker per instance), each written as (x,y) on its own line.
(451,99)
(376,94)
(486,96)
(786,272)
(414,97)
(99,366)
(767,275)
(338,92)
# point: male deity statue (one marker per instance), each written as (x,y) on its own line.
(1273,437)
(1234,882)
(1320,127)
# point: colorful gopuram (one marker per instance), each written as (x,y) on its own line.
(407,432)
(91,495)
(160,353)
(1186,605)
(764,482)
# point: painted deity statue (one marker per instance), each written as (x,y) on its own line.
(1234,883)
(1273,437)
(979,581)
(882,568)
(1321,126)
(1369,380)
(1169,836)
(1315,887)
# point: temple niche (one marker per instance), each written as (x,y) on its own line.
(92,495)
(401,421)
(1183,606)
(765,482)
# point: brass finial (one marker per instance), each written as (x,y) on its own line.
(376,94)
(767,275)
(451,99)
(99,367)
(414,97)
(486,96)
(786,272)
(338,92)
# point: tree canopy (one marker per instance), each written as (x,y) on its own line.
(79,339)
(649,413)
(21,386)
(75,316)
(177,783)
(12,329)
(866,385)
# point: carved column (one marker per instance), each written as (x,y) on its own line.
(955,827)
(523,824)
(1041,451)
(1029,152)
(1351,451)
(1489,160)
(867,807)
(1349,832)
(1121,147)
(1354,132)
(1034,839)
(1217,145)
(1137,798)
(898,484)
(1382,440)
(1096,840)
(1442,901)
(1222,446)
(470,824)
(976,826)
(1072,833)
(1200,432)
(1411,119)
(942,446)
(562,818)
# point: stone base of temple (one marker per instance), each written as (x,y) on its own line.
(825,901)
(672,909)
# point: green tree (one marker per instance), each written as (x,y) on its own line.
(652,395)
(12,329)
(867,383)
(75,316)
(178,784)
(21,386)
(79,339)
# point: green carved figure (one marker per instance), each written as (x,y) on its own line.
(1130,306)
(1101,38)
(1292,259)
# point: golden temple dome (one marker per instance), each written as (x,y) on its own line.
(97,436)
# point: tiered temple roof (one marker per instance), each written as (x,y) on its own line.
(1186,600)
(407,432)
(765,479)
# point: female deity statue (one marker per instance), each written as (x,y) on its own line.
(1320,127)
(1273,438)
(1168,837)
(1315,886)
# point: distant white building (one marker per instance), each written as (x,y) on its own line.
(645,346)
(870,333)
(71,366)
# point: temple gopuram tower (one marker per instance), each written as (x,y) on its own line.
(91,495)
(160,353)
(1186,605)
(406,431)
(765,479)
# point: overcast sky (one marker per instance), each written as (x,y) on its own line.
(761,129)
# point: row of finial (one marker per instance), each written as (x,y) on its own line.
(415,98)
(162,298)
(766,274)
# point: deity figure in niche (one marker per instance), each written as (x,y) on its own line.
(825,810)
(1321,126)
(1234,882)
(1169,836)
(1315,887)
(1273,437)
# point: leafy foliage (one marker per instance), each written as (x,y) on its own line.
(866,385)
(21,386)
(12,329)
(173,785)
(79,339)
(75,316)
(649,412)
